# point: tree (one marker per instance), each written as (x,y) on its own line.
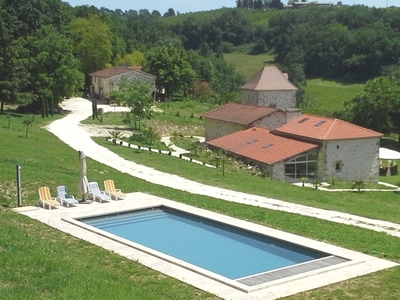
(13,75)
(91,43)
(53,69)
(169,63)
(136,95)
(136,58)
(377,107)
(28,121)
(276,4)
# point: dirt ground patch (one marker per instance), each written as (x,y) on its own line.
(104,130)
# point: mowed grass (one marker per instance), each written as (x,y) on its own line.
(330,95)
(39,262)
(249,65)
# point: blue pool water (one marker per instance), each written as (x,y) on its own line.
(223,249)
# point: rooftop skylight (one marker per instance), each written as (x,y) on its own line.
(303,120)
(267,146)
(320,123)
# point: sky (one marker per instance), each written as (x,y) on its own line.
(185,6)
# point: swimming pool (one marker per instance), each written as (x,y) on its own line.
(240,255)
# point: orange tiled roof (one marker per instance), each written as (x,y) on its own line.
(259,144)
(113,71)
(324,128)
(239,113)
(270,78)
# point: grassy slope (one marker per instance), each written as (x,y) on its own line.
(76,269)
(330,95)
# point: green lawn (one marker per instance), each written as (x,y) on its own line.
(330,95)
(248,65)
(39,262)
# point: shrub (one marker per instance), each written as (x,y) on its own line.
(359,184)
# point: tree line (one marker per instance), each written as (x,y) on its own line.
(48,48)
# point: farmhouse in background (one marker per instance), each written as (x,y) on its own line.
(287,143)
(107,80)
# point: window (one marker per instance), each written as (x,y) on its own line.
(267,146)
(338,166)
(303,120)
(320,123)
(252,141)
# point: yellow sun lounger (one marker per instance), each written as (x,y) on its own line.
(110,189)
(46,199)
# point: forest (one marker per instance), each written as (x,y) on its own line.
(48,48)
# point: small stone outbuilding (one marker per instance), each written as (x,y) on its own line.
(107,80)
(270,88)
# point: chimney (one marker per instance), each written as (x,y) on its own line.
(292,114)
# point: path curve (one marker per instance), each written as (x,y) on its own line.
(69,130)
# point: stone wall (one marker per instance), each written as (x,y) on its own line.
(357,159)
(249,97)
(280,99)
(216,128)
(272,121)
(278,171)
(132,75)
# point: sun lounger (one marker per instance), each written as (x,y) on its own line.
(110,190)
(46,199)
(64,198)
(96,194)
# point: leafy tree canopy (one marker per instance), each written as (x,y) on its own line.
(91,43)
(378,106)
(136,95)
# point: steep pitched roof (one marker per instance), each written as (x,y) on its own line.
(324,128)
(259,144)
(113,71)
(239,113)
(270,78)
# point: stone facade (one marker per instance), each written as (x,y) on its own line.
(278,171)
(272,121)
(279,99)
(103,86)
(351,160)
(217,128)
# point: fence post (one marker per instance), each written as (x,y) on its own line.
(19,187)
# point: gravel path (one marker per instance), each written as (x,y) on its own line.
(77,137)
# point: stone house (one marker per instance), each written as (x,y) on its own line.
(233,117)
(271,88)
(107,80)
(308,145)
(260,147)
(347,151)
(267,130)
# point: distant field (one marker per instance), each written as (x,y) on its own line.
(248,65)
(328,95)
